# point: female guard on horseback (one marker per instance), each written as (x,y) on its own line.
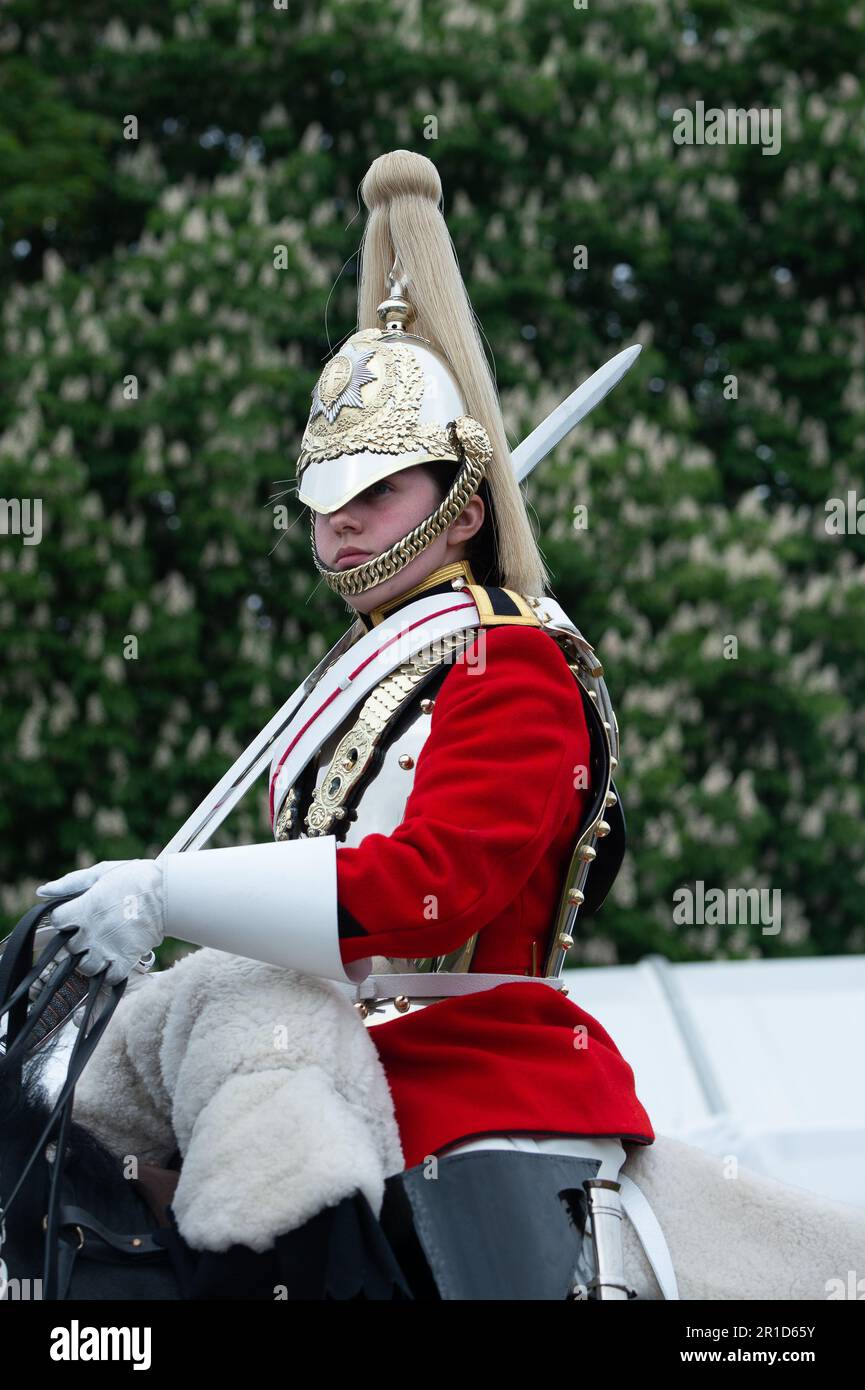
(442,809)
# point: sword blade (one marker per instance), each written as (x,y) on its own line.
(205,820)
(571,411)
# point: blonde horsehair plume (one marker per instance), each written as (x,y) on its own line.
(402,191)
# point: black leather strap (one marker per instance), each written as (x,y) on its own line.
(610,850)
(99,1243)
(68,1246)
(17,973)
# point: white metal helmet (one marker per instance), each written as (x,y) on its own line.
(387,400)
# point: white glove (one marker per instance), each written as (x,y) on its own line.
(78,880)
(118,919)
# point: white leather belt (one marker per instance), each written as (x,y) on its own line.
(414,991)
(440,985)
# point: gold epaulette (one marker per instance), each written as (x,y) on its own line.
(499,606)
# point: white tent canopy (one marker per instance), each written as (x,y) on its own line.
(757,1059)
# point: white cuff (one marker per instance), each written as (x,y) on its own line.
(273,902)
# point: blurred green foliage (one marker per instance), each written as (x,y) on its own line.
(180,217)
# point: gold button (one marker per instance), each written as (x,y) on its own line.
(406,761)
(587,853)
(565,941)
(575,897)
(602,828)
(427,706)
(401,1004)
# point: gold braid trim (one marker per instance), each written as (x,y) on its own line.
(473,441)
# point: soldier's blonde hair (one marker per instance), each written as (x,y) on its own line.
(403,191)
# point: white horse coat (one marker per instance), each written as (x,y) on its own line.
(743,1237)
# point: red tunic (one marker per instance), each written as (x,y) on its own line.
(483,846)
